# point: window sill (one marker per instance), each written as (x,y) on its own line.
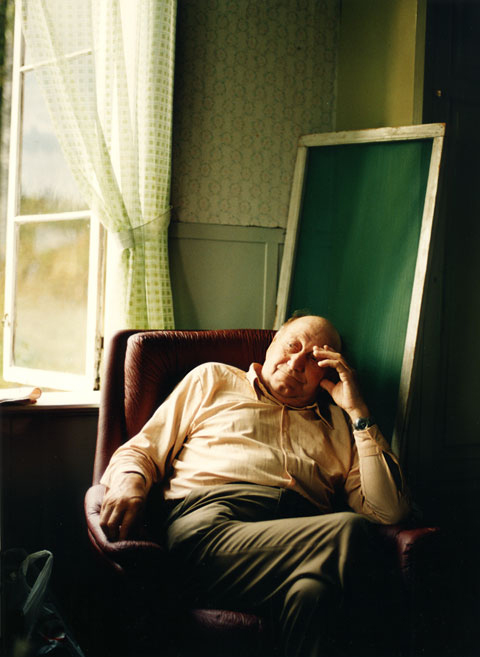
(53,401)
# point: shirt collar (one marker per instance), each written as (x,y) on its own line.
(253,376)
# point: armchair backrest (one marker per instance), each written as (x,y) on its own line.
(143,367)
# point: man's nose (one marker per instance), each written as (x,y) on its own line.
(297,361)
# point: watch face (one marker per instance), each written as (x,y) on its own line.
(362,423)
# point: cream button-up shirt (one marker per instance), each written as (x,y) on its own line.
(221,425)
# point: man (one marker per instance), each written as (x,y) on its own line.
(254,465)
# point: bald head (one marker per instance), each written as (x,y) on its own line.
(319,327)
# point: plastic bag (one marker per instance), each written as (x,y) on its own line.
(34,626)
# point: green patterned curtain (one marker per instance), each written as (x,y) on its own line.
(107,76)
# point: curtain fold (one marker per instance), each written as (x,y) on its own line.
(106,70)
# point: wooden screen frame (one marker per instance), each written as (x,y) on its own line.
(434,132)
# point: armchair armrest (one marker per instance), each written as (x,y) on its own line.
(127,557)
(416,548)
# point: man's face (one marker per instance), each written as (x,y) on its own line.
(290,370)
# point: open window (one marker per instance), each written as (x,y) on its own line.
(54,250)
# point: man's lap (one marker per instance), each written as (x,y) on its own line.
(245,545)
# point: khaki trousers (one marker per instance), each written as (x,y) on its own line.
(258,548)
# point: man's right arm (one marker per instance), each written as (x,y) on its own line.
(145,459)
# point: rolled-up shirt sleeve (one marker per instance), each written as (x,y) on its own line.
(375,484)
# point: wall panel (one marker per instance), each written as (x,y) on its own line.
(224,276)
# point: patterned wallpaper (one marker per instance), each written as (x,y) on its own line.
(251,77)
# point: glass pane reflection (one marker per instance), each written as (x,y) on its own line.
(51,311)
(46,182)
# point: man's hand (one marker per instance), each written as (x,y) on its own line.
(123,507)
(345,393)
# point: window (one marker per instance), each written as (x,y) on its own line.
(114,125)
(54,249)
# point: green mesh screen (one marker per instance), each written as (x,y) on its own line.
(356,253)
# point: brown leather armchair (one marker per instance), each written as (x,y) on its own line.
(141,369)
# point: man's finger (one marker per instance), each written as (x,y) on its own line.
(337,364)
(104,519)
(112,520)
(130,519)
(326,354)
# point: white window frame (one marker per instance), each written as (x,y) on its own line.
(90,378)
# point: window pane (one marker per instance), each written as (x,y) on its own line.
(52,284)
(47,185)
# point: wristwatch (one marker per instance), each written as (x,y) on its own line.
(362,423)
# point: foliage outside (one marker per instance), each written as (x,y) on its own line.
(51,290)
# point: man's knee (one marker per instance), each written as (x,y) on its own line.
(353,520)
(355,527)
(359,549)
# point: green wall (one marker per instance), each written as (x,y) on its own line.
(380,63)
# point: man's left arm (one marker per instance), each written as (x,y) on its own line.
(375,484)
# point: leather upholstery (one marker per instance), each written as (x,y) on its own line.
(142,367)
